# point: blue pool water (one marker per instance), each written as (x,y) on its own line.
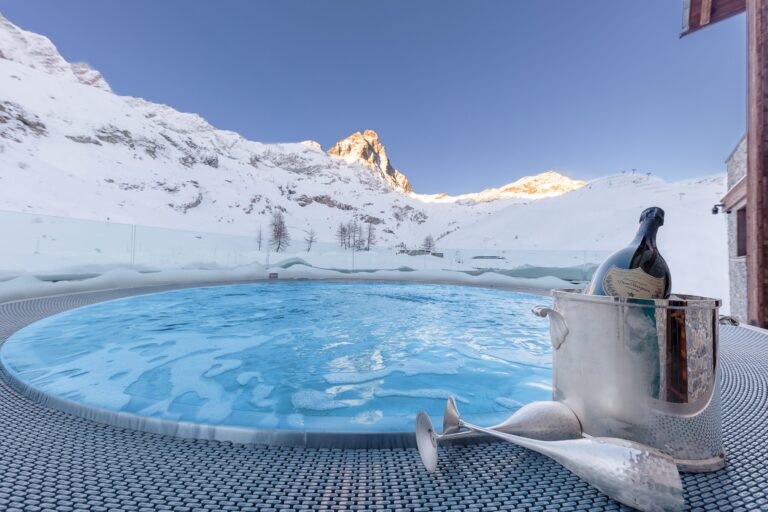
(313,356)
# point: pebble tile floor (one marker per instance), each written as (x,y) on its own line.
(51,460)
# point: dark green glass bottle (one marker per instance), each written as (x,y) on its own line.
(638,270)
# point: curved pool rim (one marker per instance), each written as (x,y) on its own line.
(227,433)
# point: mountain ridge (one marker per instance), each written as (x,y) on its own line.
(38,52)
(538,186)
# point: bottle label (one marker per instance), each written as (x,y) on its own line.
(633,283)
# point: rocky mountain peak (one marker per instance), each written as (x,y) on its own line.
(365,148)
(38,52)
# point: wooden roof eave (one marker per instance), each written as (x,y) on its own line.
(698,14)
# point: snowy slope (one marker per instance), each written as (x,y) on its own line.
(604,216)
(70,147)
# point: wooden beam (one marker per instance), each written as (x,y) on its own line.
(757,163)
(706,12)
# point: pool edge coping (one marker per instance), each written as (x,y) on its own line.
(223,433)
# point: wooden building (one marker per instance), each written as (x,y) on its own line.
(698,14)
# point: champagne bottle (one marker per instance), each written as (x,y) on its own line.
(638,270)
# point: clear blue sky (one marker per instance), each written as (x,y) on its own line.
(464,94)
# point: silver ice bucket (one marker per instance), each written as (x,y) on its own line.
(644,370)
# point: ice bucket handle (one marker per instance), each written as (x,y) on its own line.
(558,329)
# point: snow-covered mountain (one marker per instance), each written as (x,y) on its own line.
(540,186)
(70,147)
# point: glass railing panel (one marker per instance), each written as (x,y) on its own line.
(163,249)
(56,248)
(46,245)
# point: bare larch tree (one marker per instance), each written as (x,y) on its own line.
(342,235)
(279,239)
(370,236)
(356,238)
(428,244)
(310,237)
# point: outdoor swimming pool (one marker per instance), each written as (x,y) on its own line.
(296,356)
